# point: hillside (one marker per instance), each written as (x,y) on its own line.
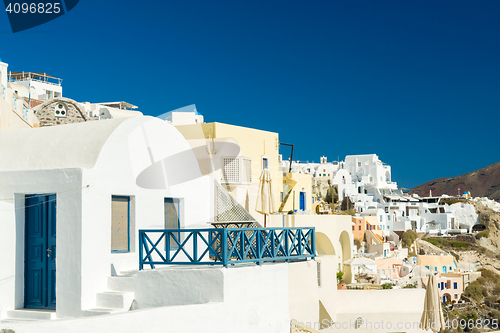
(484,182)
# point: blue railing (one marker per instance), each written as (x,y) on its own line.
(224,246)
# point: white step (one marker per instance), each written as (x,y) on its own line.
(99,311)
(121,283)
(17,320)
(31,314)
(115,300)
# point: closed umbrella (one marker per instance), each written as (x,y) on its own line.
(265,201)
(432,317)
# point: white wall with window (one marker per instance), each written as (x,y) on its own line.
(111,179)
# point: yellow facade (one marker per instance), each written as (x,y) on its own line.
(440,264)
(296,185)
(261,147)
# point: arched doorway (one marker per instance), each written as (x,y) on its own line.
(345,243)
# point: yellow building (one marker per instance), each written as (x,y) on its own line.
(438,264)
(297,193)
(238,156)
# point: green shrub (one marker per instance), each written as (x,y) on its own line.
(474,291)
(408,237)
(357,242)
(495,314)
(490,301)
(460,245)
(411,254)
(487,274)
(484,233)
(481,280)
(340,276)
(387,285)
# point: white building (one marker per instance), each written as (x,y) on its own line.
(36,85)
(367,181)
(96,184)
(186,115)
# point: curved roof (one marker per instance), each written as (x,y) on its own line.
(65,146)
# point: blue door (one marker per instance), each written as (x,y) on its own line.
(40,252)
(302,200)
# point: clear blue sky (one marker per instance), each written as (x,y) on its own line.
(416,82)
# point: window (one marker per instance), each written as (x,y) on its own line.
(352,228)
(281,195)
(455,285)
(435,269)
(383,272)
(265,161)
(359,227)
(172,220)
(120,224)
(456,296)
(236,170)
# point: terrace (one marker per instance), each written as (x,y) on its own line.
(224,246)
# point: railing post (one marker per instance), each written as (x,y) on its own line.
(140,250)
(258,245)
(242,245)
(195,246)
(300,239)
(313,242)
(224,247)
(167,245)
(286,233)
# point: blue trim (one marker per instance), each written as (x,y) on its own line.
(214,246)
(128,222)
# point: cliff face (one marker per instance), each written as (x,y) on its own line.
(484,182)
(491,220)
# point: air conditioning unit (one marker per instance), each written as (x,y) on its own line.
(61,110)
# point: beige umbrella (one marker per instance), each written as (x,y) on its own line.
(432,317)
(265,201)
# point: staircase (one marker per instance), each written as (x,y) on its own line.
(118,298)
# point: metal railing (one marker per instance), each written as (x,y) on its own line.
(224,246)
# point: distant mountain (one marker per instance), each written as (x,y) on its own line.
(484,182)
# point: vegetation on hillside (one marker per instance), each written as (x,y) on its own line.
(448,244)
(485,304)
(408,237)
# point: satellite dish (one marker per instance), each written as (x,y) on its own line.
(104,114)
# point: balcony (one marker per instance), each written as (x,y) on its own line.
(225,246)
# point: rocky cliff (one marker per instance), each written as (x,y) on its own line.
(484,182)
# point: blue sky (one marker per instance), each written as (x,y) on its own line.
(415,82)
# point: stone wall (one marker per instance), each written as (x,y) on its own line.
(70,112)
